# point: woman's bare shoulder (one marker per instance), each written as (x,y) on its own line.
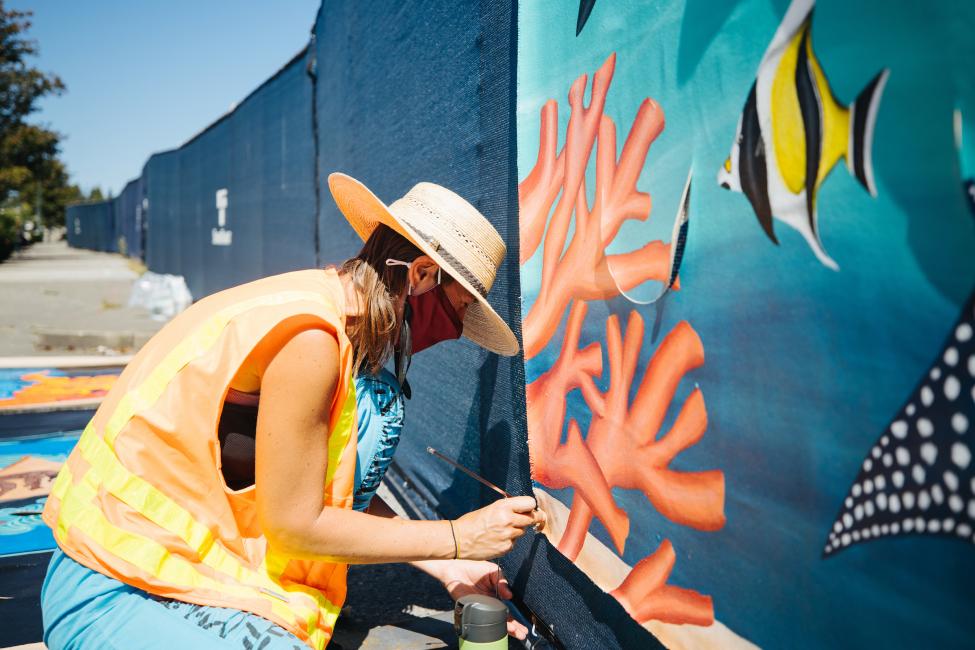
(310,343)
(306,367)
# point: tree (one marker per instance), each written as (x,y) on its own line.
(32,177)
(96,194)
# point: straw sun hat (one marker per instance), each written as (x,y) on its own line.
(450,231)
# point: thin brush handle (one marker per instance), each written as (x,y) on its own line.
(474,476)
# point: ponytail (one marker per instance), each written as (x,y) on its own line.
(377,285)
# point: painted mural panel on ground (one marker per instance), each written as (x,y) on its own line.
(23,387)
(28,465)
(693,461)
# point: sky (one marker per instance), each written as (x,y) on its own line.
(145,76)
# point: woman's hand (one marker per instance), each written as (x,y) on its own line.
(464,577)
(491,531)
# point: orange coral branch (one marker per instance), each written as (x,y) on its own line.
(646,597)
(631,269)
(571,464)
(581,271)
(623,201)
(539,189)
(623,437)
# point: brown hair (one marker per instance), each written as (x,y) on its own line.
(371,333)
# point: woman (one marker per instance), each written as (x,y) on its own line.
(185,520)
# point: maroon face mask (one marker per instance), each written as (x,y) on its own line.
(433,319)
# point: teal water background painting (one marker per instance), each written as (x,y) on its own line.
(804,366)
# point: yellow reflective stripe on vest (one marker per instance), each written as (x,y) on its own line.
(139,495)
(79,510)
(157,507)
(107,471)
(158,561)
(338,440)
(274,565)
(197,343)
(61,484)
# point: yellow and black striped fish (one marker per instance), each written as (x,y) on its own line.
(793,131)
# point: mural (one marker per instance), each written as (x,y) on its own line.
(697,400)
(28,465)
(585,8)
(23,387)
(27,478)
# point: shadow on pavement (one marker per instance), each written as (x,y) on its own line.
(380,596)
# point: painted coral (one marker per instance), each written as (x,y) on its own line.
(623,436)
(572,463)
(623,446)
(582,270)
(646,596)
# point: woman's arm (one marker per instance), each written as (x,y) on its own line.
(297,391)
(433,567)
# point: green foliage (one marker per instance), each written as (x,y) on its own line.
(20,85)
(9,232)
(32,177)
(96,194)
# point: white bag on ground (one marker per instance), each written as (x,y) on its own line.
(162,294)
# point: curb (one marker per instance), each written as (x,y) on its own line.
(93,341)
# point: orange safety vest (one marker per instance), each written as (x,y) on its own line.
(142,499)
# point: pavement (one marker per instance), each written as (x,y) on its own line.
(394,606)
(56,300)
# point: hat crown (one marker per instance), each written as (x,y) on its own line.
(456,230)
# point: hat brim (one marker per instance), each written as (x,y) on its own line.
(364,211)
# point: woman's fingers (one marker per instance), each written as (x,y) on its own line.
(490,532)
(517,630)
(540,518)
(503,589)
(519,520)
(524,518)
(520,504)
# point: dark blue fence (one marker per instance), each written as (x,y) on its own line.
(161,178)
(235,203)
(129,222)
(92,226)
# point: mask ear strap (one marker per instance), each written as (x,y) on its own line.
(408,265)
(392,262)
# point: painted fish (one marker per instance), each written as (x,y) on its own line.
(919,475)
(585,8)
(793,131)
